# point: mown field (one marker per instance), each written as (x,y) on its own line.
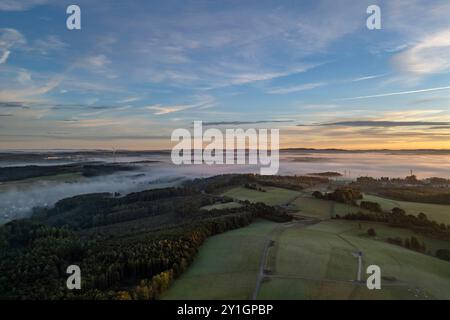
(439,213)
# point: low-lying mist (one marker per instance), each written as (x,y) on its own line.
(18,202)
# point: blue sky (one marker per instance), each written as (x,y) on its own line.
(139,69)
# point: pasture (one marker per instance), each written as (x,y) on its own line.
(317,263)
(225,266)
(439,213)
(313,262)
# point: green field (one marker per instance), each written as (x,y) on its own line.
(314,262)
(272,196)
(439,213)
(322,209)
(317,263)
(225,267)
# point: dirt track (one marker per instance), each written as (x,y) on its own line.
(269,242)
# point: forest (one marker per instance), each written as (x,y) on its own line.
(85,169)
(128,247)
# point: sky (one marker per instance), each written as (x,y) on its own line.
(137,70)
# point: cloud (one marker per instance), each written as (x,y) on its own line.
(23,76)
(4,56)
(98,61)
(240,45)
(368,77)
(397,93)
(130,99)
(9,38)
(430,55)
(95,123)
(244,78)
(365,123)
(440,128)
(298,88)
(417,115)
(24,95)
(219,123)
(48,44)
(13,105)
(236,74)
(161,110)
(204,102)
(20,5)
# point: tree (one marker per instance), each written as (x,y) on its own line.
(371,206)
(415,244)
(407,244)
(443,254)
(317,194)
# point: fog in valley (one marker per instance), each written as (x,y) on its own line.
(156,171)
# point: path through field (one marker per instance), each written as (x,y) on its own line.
(270,241)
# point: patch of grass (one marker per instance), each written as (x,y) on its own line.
(439,213)
(272,196)
(383,232)
(322,209)
(309,253)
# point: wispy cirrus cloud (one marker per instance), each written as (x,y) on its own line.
(430,55)
(161,110)
(299,88)
(9,38)
(129,99)
(29,94)
(48,44)
(234,123)
(4,56)
(366,123)
(244,78)
(375,76)
(400,93)
(20,5)
(203,102)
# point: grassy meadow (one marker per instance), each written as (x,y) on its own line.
(314,262)
(226,265)
(437,212)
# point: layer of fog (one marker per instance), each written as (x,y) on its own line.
(18,203)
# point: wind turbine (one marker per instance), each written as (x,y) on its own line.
(359,255)
(114,154)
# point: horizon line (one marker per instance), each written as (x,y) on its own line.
(169,150)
